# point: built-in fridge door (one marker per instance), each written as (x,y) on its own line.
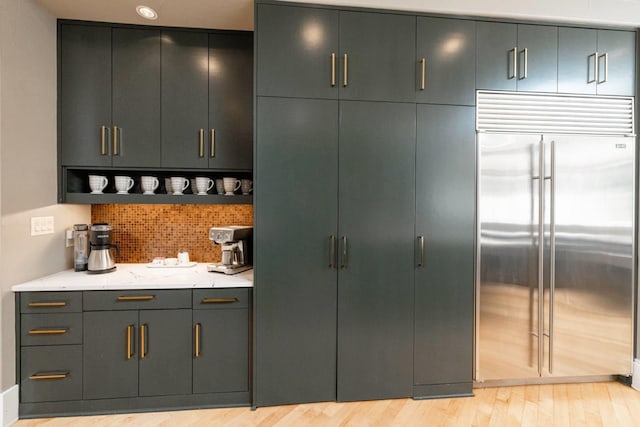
(509,254)
(589,317)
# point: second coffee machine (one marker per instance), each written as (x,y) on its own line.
(100,258)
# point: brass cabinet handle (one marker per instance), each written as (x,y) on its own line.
(135,297)
(595,68)
(525,63)
(332,251)
(421,243)
(115,141)
(605,70)
(201,152)
(59,376)
(346,70)
(423,70)
(129,345)
(213,143)
(143,349)
(218,300)
(48,304)
(48,331)
(103,140)
(514,53)
(333,69)
(197,340)
(343,262)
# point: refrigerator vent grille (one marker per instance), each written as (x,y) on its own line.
(546,113)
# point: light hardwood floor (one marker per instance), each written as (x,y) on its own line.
(591,404)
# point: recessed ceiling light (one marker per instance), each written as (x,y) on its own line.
(146,12)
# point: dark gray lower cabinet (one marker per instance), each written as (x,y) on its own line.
(296,213)
(445,193)
(376,217)
(51,373)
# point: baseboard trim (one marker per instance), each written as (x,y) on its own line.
(9,406)
(636,375)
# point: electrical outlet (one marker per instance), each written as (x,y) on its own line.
(41,225)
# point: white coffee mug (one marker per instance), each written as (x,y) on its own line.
(124,184)
(149,184)
(203,184)
(183,257)
(246,186)
(97,183)
(219,186)
(179,184)
(231,185)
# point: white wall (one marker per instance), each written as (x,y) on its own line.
(614,12)
(28,162)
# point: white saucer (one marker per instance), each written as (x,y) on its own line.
(96,192)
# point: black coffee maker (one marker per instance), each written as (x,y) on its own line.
(100,258)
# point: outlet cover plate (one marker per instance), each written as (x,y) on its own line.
(41,225)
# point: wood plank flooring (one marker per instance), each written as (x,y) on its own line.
(589,404)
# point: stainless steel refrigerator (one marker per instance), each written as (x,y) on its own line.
(555,240)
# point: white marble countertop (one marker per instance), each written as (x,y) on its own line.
(138,276)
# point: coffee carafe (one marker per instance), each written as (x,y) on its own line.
(100,258)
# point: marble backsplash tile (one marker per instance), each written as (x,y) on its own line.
(146,231)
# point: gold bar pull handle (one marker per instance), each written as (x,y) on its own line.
(213,143)
(423,71)
(135,297)
(201,143)
(48,304)
(421,247)
(346,70)
(218,300)
(115,141)
(333,69)
(52,376)
(197,340)
(56,331)
(344,258)
(143,337)
(130,329)
(103,140)
(514,63)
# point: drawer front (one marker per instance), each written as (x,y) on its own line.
(51,373)
(142,299)
(207,299)
(50,302)
(51,329)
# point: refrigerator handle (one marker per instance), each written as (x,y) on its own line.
(541,183)
(552,249)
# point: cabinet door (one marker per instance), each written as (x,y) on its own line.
(136,98)
(445,193)
(495,56)
(85,94)
(165,368)
(230,136)
(616,74)
(375,285)
(221,363)
(380,51)
(185,80)
(294,48)
(448,47)
(296,208)
(110,362)
(575,66)
(538,65)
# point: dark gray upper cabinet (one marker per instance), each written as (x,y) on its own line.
(185,77)
(297,195)
(517,57)
(109,96)
(446,58)
(84,95)
(444,280)
(376,235)
(230,101)
(294,51)
(377,57)
(598,62)
(136,97)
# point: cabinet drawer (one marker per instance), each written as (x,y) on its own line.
(137,300)
(220,298)
(51,373)
(51,329)
(51,302)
